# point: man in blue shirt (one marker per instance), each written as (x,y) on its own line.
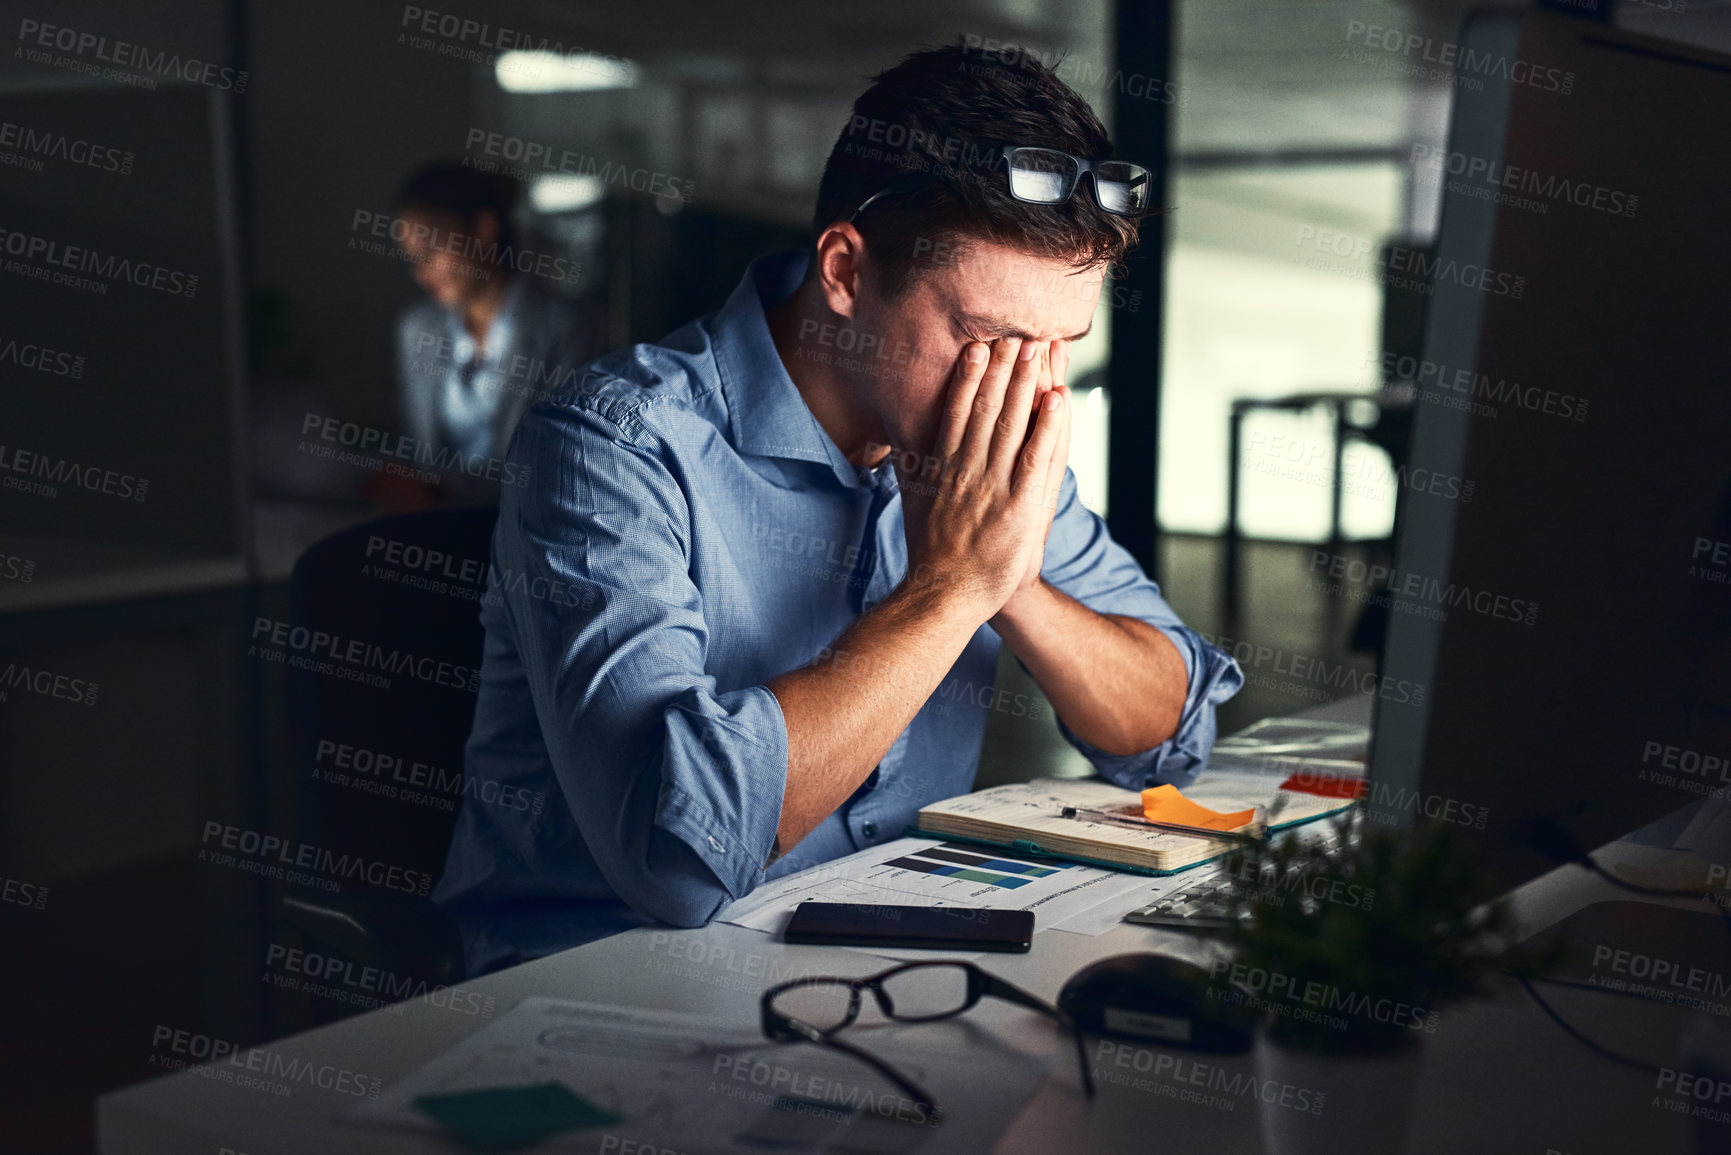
(724,602)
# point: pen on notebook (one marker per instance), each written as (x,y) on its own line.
(1176,828)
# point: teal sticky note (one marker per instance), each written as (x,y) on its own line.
(509,1118)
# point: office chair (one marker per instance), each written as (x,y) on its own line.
(1383,419)
(408,583)
(1392,433)
(1388,426)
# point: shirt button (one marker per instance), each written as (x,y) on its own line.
(869,829)
(716,846)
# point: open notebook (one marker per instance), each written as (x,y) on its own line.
(1027,817)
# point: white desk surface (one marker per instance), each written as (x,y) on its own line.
(1497,1077)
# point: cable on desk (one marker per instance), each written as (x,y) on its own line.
(1556,843)
(1615,1057)
(1552,840)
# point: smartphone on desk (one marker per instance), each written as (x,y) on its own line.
(933,927)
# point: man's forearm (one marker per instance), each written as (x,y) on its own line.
(1117,682)
(846,709)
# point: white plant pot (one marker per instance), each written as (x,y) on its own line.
(1365,1100)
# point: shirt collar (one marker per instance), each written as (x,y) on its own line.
(499,334)
(765,412)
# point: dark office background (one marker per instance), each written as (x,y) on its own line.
(1266,134)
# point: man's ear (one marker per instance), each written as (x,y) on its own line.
(485,226)
(841,266)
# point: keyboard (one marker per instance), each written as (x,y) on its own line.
(1200,905)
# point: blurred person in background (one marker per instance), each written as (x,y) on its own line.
(486,343)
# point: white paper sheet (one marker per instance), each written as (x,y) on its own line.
(691,1084)
(1298,736)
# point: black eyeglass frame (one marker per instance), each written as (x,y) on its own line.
(1084,167)
(781,1028)
(908,182)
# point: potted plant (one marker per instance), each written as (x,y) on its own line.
(1349,948)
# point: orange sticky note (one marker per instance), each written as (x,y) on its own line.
(1166,804)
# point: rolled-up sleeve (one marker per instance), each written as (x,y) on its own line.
(1083,561)
(675,783)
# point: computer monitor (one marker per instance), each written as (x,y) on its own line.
(122,464)
(1560,584)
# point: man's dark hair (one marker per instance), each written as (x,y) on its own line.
(450,188)
(948,112)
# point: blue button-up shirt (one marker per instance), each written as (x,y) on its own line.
(690,532)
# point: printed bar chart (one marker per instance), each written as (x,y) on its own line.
(950,870)
(950,852)
(954,861)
